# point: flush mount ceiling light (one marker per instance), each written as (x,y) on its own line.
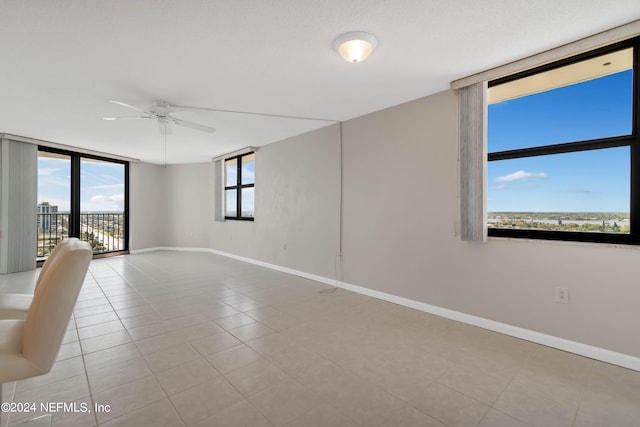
(355,46)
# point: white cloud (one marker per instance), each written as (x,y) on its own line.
(520,175)
(107,187)
(105,203)
(47,171)
(248,175)
(581,191)
(114,198)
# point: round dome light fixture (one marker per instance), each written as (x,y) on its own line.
(355,46)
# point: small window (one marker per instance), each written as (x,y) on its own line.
(239,187)
(563,145)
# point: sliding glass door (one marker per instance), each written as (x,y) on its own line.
(54,202)
(82,196)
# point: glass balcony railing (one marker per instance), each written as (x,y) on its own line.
(105,231)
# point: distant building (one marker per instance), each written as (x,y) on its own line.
(44,217)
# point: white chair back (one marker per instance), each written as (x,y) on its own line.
(53,303)
(51,259)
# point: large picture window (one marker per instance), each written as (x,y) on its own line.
(239,190)
(564,153)
(81,196)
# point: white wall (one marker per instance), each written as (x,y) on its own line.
(400,215)
(147,201)
(189,192)
(296,209)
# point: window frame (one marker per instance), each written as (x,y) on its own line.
(238,187)
(631,140)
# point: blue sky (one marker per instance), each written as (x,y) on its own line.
(590,181)
(102,184)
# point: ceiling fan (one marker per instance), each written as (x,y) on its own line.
(161,111)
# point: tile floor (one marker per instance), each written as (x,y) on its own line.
(192,339)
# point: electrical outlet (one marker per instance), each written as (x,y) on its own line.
(562,295)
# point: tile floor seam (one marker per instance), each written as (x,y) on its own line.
(155,374)
(125,382)
(86,374)
(13,397)
(588,381)
(193,387)
(423,411)
(504,389)
(435,417)
(135,409)
(483,415)
(466,394)
(259,411)
(508,415)
(108,420)
(138,409)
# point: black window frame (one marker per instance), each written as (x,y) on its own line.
(74,198)
(631,140)
(238,188)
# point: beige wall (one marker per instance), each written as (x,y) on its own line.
(400,215)
(189,190)
(170,206)
(147,201)
(297,206)
(401,207)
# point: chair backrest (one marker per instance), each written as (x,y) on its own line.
(53,303)
(51,259)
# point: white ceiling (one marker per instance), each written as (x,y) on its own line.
(62,60)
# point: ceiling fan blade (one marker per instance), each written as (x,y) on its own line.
(174,109)
(192,125)
(129,106)
(127,117)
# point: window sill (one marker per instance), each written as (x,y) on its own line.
(627,246)
(233,218)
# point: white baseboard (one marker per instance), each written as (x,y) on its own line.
(141,251)
(604,355)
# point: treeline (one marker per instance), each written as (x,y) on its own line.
(562,216)
(605,227)
(569,216)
